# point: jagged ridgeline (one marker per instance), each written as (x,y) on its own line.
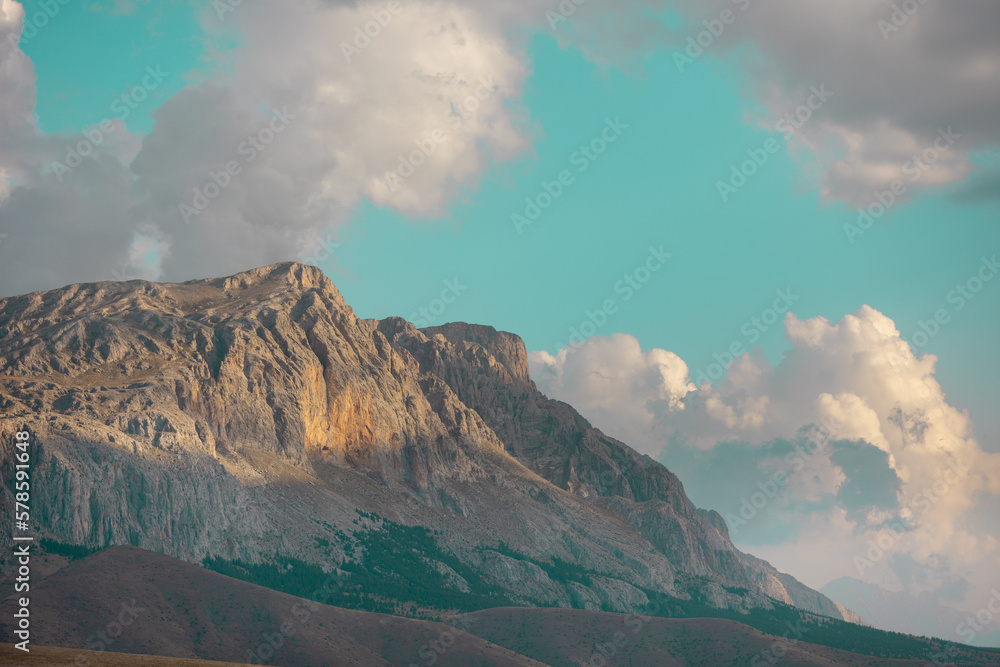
(245,420)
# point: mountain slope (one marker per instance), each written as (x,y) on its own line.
(132,601)
(556,442)
(124,604)
(243,416)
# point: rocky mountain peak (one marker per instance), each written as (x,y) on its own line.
(507,348)
(276,277)
(158,405)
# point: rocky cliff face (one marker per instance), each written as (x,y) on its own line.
(237,416)
(488,371)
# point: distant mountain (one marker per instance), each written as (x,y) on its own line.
(126,600)
(900,611)
(249,416)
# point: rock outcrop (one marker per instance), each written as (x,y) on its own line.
(239,416)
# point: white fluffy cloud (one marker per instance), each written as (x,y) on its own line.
(17,77)
(611,380)
(887,449)
(437,86)
(440,79)
(355,114)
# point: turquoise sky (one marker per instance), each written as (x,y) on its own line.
(654,186)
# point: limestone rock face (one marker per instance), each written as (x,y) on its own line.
(241,416)
(556,442)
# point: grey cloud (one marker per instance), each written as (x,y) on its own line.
(726,478)
(983,187)
(891,95)
(870,482)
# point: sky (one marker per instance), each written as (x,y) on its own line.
(724,229)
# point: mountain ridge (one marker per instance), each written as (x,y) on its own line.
(238,413)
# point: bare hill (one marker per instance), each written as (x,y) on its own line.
(128,600)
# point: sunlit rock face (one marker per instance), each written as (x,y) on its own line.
(241,416)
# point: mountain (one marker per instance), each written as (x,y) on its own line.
(129,604)
(239,417)
(556,442)
(917,615)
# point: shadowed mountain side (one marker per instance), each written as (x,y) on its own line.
(248,416)
(148,603)
(488,371)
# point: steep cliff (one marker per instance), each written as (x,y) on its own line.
(242,416)
(488,371)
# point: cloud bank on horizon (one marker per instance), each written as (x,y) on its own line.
(843,459)
(411,127)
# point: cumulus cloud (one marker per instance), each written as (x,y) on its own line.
(17,76)
(437,89)
(405,116)
(645,384)
(849,438)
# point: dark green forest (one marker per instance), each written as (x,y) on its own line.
(394,571)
